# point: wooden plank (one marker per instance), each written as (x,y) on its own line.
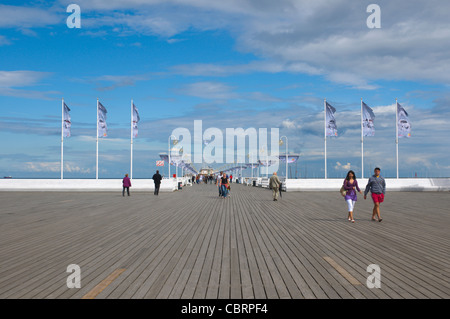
(342,271)
(102,285)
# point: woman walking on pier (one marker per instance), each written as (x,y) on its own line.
(351,186)
(126,183)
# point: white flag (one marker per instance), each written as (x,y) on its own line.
(368,118)
(331,127)
(136,119)
(67,123)
(102,129)
(404,127)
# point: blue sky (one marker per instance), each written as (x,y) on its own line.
(247,63)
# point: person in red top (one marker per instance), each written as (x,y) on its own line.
(231,178)
(126,182)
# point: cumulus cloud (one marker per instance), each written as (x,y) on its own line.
(54,167)
(22,17)
(117,81)
(324,38)
(289,124)
(20,78)
(321,37)
(209,90)
(339,166)
(10,81)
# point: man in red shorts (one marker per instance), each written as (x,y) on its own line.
(377,187)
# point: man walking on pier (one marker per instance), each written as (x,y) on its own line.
(377,187)
(274,184)
(157,180)
(218,182)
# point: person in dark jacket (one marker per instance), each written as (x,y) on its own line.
(126,183)
(157,180)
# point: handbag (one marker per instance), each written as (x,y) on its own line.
(343,191)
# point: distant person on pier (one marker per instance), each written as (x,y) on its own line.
(224,185)
(274,184)
(126,183)
(218,181)
(351,186)
(157,180)
(377,187)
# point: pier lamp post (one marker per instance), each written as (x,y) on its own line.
(281,143)
(248,156)
(175,141)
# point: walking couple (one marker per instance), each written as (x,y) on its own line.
(377,187)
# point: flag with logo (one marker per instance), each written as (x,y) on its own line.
(67,121)
(159,163)
(403,124)
(102,128)
(135,120)
(331,128)
(368,118)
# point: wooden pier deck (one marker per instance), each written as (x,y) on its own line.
(191,244)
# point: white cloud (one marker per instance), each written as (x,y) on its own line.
(117,81)
(11,80)
(42,166)
(339,166)
(208,69)
(27,17)
(300,36)
(54,167)
(20,78)
(324,38)
(289,124)
(209,90)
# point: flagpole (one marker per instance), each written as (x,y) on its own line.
(131,155)
(396,133)
(287,157)
(96,162)
(325,133)
(362,142)
(62,138)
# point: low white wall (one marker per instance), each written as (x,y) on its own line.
(170,185)
(392,184)
(167,185)
(334,184)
